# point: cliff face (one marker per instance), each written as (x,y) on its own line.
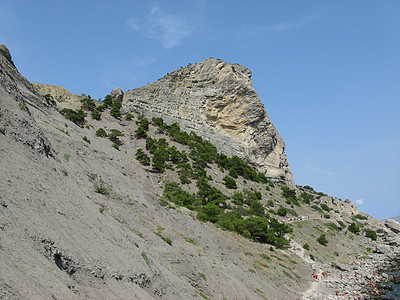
(217,101)
(20,103)
(63,97)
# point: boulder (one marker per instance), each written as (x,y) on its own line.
(393,225)
(117,94)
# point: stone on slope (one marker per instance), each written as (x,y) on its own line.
(216,100)
(393,225)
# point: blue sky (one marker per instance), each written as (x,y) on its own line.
(328,72)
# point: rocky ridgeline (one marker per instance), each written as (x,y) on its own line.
(216,100)
(19,103)
(63,97)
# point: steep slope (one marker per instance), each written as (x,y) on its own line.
(217,100)
(82,220)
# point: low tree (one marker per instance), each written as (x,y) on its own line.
(354,228)
(114,136)
(142,157)
(229,182)
(101,132)
(322,240)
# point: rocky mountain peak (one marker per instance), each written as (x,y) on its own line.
(6,53)
(216,100)
(215,70)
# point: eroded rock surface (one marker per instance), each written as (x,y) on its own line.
(216,100)
(63,97)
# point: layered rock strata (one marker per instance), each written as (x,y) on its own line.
(216,100)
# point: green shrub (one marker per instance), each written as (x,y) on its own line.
(191,241)
(332,226)
(317,208)
(129,117)
(22,106)
(142,157)
(114,136)
(371,234)
(341,224)
(354,228)
(270,203)
(88,104)
(101,132)
(115,112)
(78,116)
(361,217)
(292,212)
(86,139)
(306,198)
(325,207)
(146,259)
(102,190)
(203,276)
(96,115)
(306,247)
(233,173)
(174,193)
(282,211)
(229,182)
(322,240)
(107,102)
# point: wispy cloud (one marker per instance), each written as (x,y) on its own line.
(318,170)
(284,26)
(359,202)
(168,28)
(288,26)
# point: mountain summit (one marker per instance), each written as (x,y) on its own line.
(217,100)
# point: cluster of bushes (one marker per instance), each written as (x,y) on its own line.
(290,195)
(252,199)
(76,116)
(211,206)
(204,153)
(113,136)
(306,197)
(88,104)
(354,228)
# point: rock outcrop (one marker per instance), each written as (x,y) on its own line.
(393,225)
(216,100)
(63,97)
(19,101)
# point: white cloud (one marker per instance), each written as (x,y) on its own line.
(168,28)
(283,27)
(359,202)
(317,169)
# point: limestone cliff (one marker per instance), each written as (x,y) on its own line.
(63,97)
(216,100)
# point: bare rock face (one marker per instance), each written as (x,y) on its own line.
(19,102)
(63,97)
(393,225)
(217,101)
(117,94)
